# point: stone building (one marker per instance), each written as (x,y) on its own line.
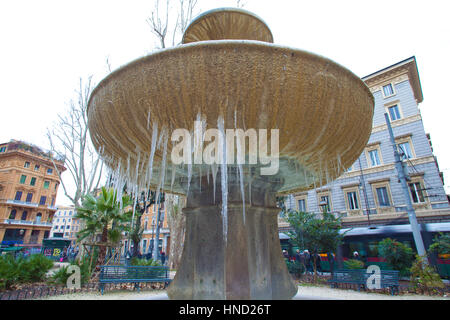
(148,222)
(369,192)
(65,224)
(28,188)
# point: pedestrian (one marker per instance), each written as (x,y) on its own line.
(298,256)
(331,258)
(163,257)
(307,258)
(356,255)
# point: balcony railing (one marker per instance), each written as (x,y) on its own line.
(22,203)
(27,222)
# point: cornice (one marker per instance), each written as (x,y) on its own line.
(401,71)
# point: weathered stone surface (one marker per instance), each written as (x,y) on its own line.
(247,263)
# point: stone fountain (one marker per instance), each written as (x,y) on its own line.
(228,74)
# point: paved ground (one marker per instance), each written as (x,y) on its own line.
(304,293)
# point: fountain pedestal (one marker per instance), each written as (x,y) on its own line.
(247,262)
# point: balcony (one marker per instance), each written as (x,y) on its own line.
(22,203)
(27,222)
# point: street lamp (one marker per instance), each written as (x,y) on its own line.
(153,235)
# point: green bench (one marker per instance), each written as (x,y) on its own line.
(133,274)
(359,277)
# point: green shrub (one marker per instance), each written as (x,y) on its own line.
(23,270)
(144,262)
(353,264)
(398,255)
(9,273)
(424,277)
(61,276)
(296,268)
(34,268)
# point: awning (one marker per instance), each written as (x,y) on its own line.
(11,249)
(283,236)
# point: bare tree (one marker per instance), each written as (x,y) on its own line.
(69,139)
(161,25)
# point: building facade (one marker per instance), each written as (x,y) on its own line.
(65,224)
(28,189)
(369,192)
(148,223)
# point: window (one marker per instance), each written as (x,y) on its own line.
(38,217)
(18,195)
(70,213)
(394,112)
(46,184)
(374,158)
(49,171)
(382,197)
(24,215)
(12,215)
(302,205)
(26,165)
(352,200)
(416,190)
(33,181)
(324,203)
(43,200)
(36,167)
(67,227)
(388,90)
(53,201)
(2,149)
(56,186)
(405,151)
(144,245)
(29,197)
(23,178)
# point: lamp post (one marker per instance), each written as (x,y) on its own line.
(153,235)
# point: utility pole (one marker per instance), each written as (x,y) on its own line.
(409,207)
(363,185)
(158,216)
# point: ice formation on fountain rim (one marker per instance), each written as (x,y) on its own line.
(323,111)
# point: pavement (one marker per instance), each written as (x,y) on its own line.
(304,293)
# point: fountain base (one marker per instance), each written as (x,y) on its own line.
(247,262)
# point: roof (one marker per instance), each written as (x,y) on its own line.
(410,65)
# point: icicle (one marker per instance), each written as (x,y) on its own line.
(214,169)
(173,177)
(239,171)
(223,176)
(163,164)
(152,151)
(189,165)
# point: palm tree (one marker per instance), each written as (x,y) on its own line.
(104,215)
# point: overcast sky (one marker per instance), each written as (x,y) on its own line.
(46,46)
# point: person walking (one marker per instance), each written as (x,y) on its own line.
(163,257)
(307,258)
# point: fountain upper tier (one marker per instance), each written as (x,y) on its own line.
(322,110)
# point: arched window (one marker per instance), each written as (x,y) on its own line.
(38,217)
(24,215)
(12,215)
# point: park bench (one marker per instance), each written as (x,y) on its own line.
(388,279)
(133,274)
